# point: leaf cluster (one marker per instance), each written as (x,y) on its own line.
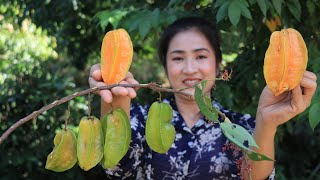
(52,56)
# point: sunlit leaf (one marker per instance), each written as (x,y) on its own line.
(103,16)
(238,135)
(227,120)
(112,17)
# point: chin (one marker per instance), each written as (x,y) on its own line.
(189,91)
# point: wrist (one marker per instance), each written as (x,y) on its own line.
(264,124)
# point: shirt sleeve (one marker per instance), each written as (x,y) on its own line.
(131,164)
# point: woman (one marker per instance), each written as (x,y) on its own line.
(190,52)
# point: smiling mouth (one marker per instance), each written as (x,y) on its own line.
(191,82)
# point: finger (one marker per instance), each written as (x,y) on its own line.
(310,75)
(309,88)
(133,81)
(132,93)
(129,75)
(92,82)
(95,72)
(120,91)
(297,102)
(106,96)
(309,85)
(130,79)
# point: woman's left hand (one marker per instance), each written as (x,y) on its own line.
(275,110)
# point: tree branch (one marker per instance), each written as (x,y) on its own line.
(153,86)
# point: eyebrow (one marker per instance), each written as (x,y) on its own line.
(195,50)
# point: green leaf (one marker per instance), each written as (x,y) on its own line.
(219,3)
(257,156)
(222,12)
(252,2)
(103,17)
(144,28)
(174,3)
(244,2)
(113,17)
(314,115)
(238,135)
(295,8)
(234,12)
(116,17)
(263,6)
(204,103)
(311,7)
(135,20)
(154,17)
(204,2)
(277,5)
(245,11)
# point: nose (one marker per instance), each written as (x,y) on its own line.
(189,66)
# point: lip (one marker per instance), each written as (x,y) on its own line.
(190,81)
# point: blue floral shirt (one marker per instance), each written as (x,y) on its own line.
(202,152)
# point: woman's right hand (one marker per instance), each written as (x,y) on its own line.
(95,80)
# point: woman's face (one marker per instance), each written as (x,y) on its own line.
(190,59)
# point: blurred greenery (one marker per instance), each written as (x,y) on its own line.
(47,48)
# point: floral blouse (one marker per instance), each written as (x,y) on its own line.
(202,152)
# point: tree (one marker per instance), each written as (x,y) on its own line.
(79,26)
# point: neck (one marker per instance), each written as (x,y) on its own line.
(188,108)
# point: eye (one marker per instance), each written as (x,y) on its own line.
(201,57)
(177,58)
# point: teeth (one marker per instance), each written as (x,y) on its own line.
(191,82)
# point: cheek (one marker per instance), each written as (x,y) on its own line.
(172,71)
(209,71)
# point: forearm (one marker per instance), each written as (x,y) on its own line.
(118,102)
(264,137)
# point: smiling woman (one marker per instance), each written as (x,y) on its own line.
(189,63)
(190,52)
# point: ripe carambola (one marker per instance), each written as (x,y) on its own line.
(90,143)
(285,60)
(117,130)
(160,133)
(116,56)
(64,154)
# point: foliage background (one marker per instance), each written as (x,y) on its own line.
(47,48)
